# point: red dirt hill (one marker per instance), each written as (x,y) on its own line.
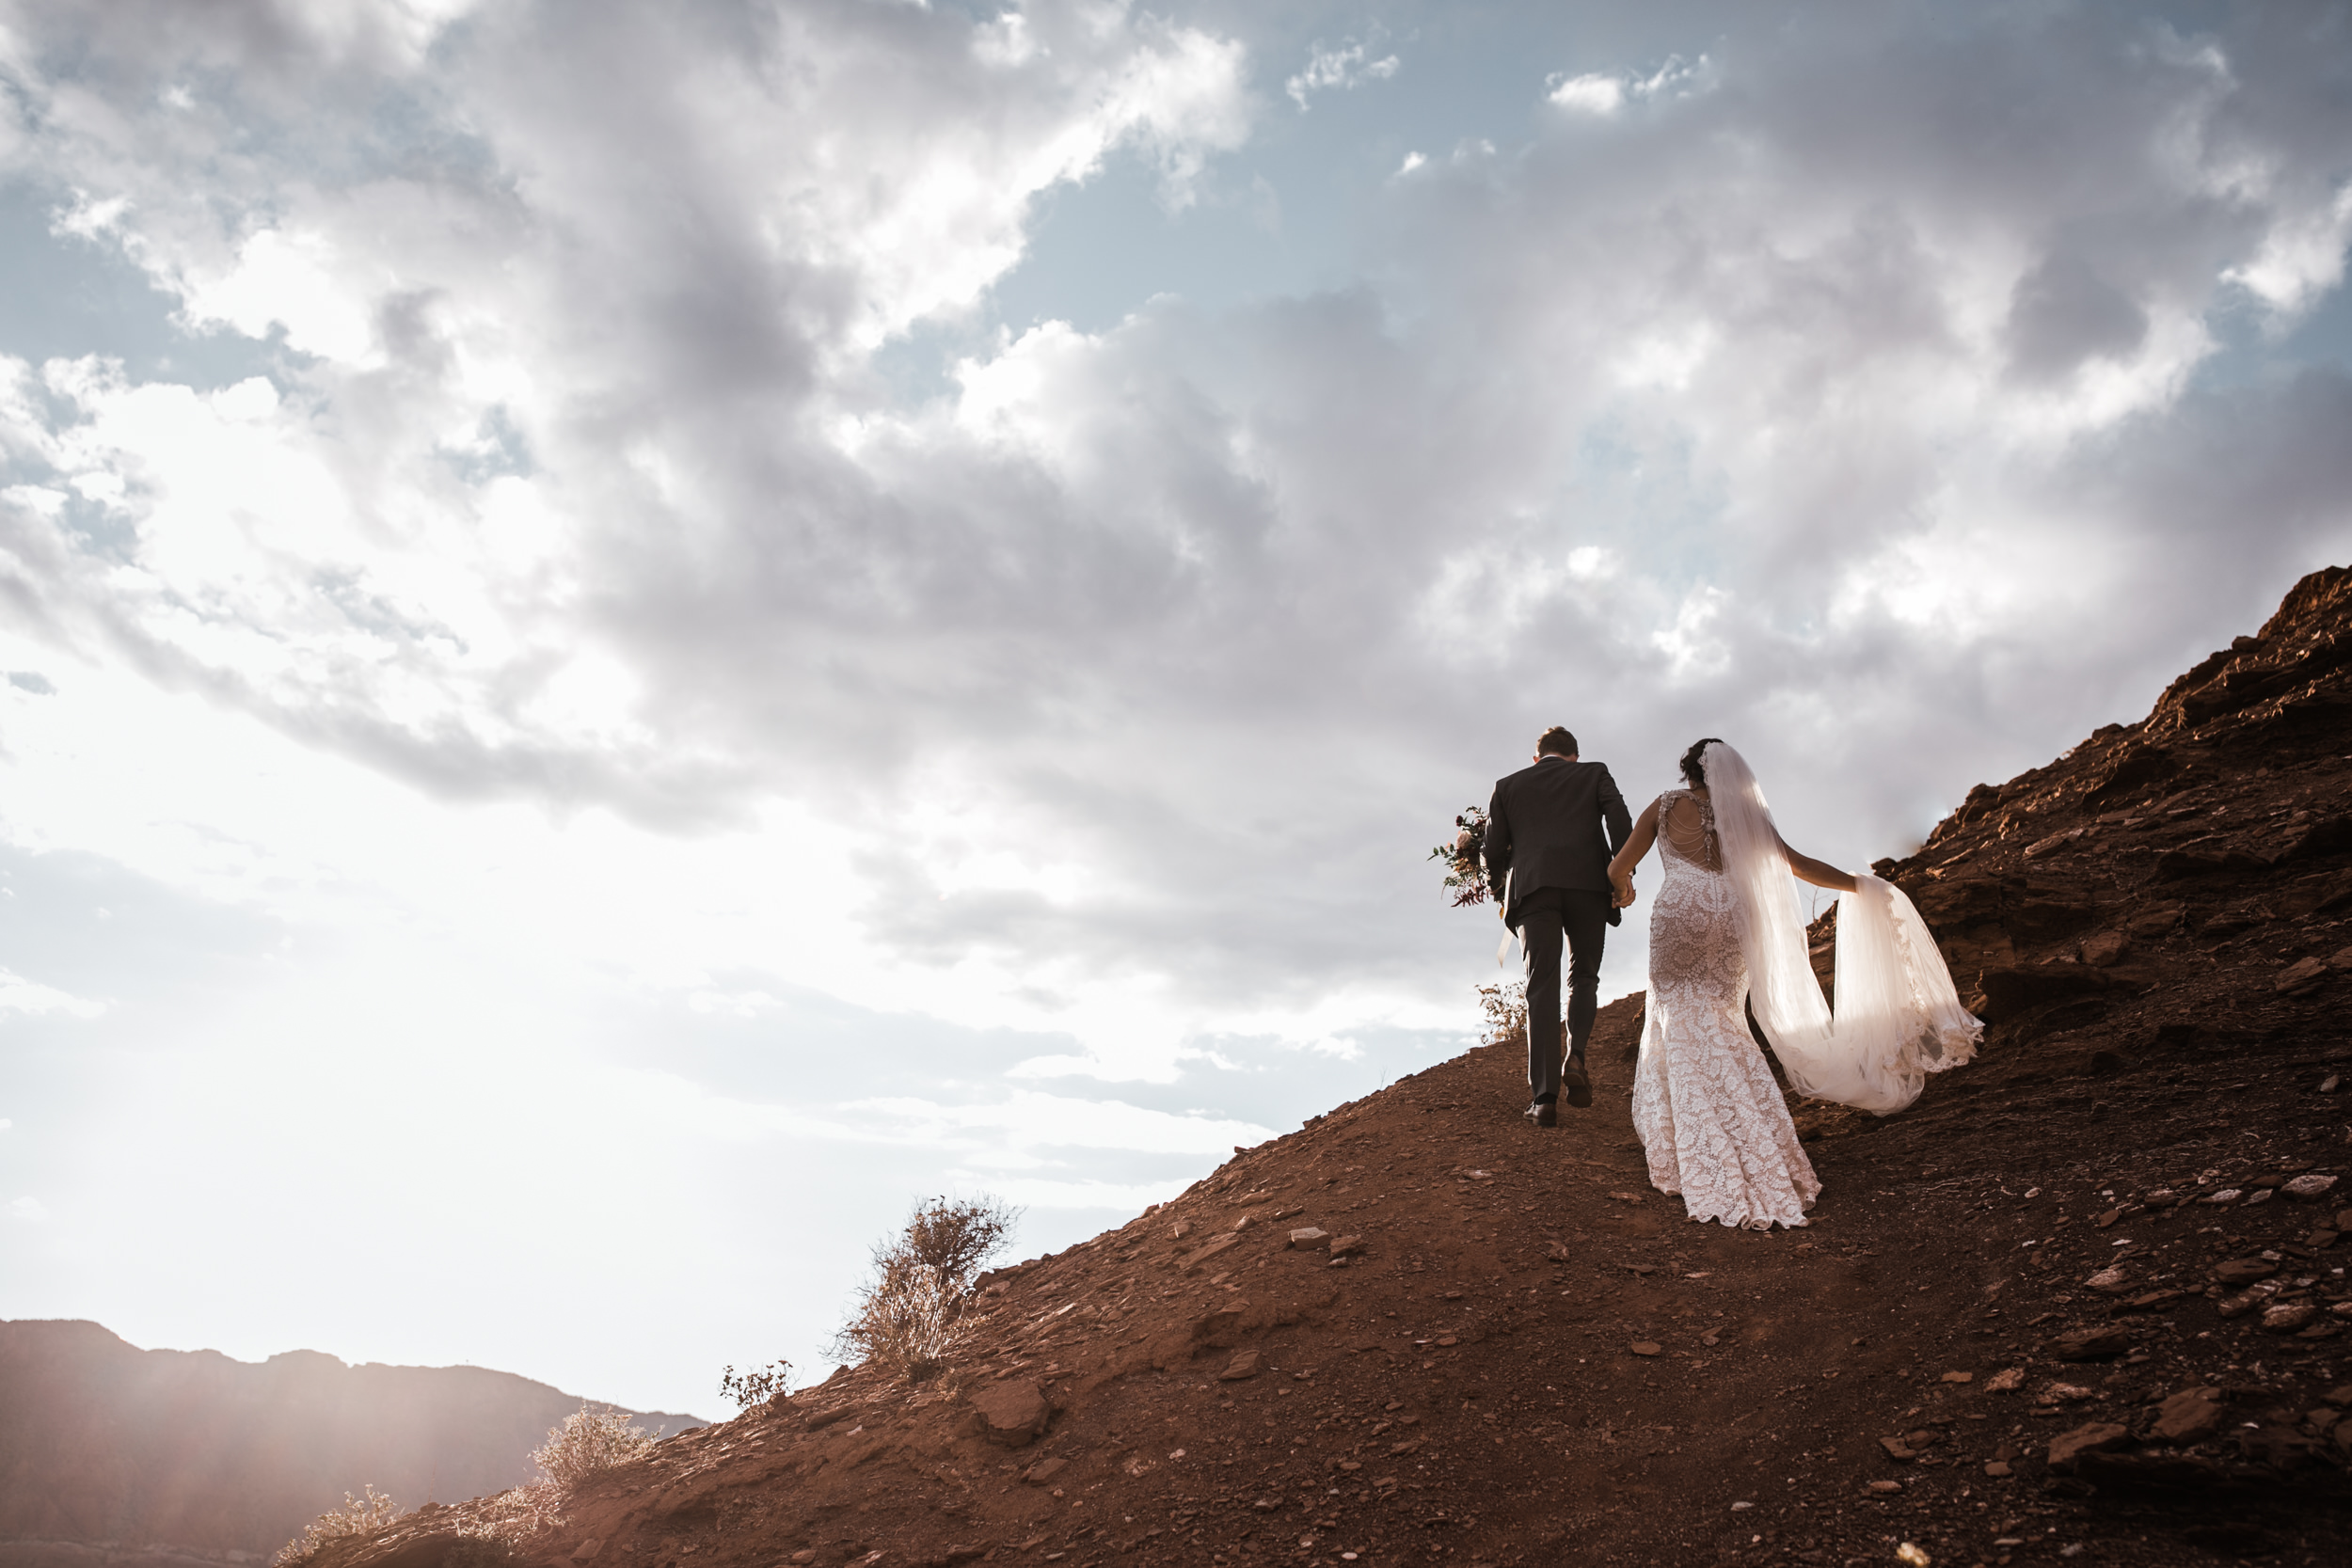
(2084,1300)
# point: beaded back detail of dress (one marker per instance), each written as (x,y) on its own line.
(1709,1115)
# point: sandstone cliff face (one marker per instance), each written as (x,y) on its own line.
(101,1441)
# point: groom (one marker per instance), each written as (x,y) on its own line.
(1551,830)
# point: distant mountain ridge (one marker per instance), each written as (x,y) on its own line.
(102,1442)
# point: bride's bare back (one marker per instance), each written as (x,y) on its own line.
(1690,827)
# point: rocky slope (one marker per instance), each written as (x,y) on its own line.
(2085,1300)
(102,1441)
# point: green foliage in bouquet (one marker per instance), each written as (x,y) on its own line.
(1465,859)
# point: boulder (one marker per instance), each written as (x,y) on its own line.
(2096,1437)
(2302,975)
(2190,1416)
(2288,1317)
(1195,1259)
(1244,1364)
(1217,1330)
(2093,1344)
(2308,1187)
(1013,1413)
(2101,949)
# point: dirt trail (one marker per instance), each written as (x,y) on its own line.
(2026,1325)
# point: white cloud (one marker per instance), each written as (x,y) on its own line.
(29,1211)
(1346,65)
(1602,94)
(301,281)
(1591,93)
(2301,256)
(20,995)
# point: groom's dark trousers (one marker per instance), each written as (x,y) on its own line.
(1551,832)
(1551,917)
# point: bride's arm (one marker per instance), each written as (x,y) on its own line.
(1621,869)
(1819,872)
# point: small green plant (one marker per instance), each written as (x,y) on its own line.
(362,1515)
(588,1443)
(757,1386)
(911,1316)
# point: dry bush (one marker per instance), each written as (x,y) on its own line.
(952,1238)
(513,1516)
(362,1515)
(911,1318)
(757,1386)
(588,1443)
(1502,1010)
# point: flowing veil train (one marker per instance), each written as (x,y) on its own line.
(1898,1017)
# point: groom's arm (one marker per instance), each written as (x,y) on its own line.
(1498,851)
(1613,816)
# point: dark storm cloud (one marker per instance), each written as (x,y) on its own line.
(1836,394)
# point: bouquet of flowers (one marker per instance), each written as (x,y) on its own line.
(1465,859)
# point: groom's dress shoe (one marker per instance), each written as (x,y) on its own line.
(1543,1113)
(1578,1083)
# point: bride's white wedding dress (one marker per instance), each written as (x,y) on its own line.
(1710,1114)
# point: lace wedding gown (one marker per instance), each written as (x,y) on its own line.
(1705,1104)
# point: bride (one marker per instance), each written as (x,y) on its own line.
(1725,927)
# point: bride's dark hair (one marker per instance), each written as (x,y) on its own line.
(1694,765)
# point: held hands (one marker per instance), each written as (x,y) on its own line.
(1621,886)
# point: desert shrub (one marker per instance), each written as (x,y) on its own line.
(1502,1010)
(497,1525)
(362,1515)
(757,1386)
(911,1316)
(588,1442)
(953,1237)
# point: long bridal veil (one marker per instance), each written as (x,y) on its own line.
(1897,1018)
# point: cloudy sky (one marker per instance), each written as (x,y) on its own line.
(637,634)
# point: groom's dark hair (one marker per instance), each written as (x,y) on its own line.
(1557,743)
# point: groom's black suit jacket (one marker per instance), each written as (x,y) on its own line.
(1546,827)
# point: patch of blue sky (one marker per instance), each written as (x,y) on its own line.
(1302,206)
(2251,345)
(1636,494)
(68,297)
